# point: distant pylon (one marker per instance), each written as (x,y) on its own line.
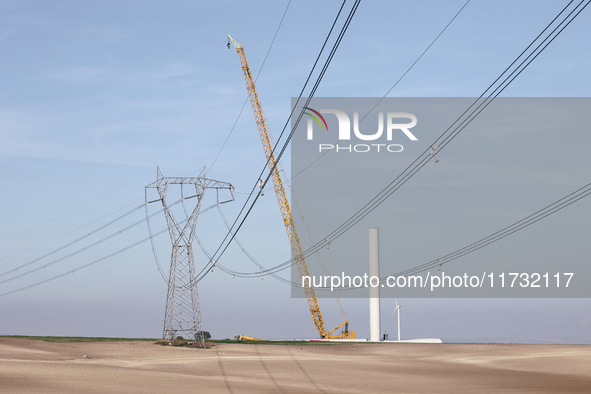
(182,313)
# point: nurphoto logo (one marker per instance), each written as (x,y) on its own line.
(393,126)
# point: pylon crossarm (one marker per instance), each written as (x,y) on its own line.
(205,183)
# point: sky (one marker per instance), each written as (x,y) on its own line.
(96,94)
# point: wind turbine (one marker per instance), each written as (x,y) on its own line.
(397,309)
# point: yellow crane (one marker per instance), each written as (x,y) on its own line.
(292,234)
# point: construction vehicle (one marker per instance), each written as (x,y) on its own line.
(245,338)
(292,234)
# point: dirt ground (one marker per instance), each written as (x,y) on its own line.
(28,366)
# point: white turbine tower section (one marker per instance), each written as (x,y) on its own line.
(374,292)
(395,310)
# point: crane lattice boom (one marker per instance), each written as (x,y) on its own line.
(292,234)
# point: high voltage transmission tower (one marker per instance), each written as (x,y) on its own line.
(183,313)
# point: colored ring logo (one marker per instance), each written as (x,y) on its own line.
(316,119)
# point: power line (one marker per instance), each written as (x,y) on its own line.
(102,195)
(63,258)
(250,257)
(72,242)
(394,85)
(232,233)
(64,214)
(79,268)
(446,136)
(112,235)
(311,94)
(102,258)
(446,140)
(227,270)
(506,231)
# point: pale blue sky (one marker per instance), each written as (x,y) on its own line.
(96,94)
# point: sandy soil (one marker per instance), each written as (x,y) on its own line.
(28,366)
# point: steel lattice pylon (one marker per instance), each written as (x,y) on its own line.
(183,314)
